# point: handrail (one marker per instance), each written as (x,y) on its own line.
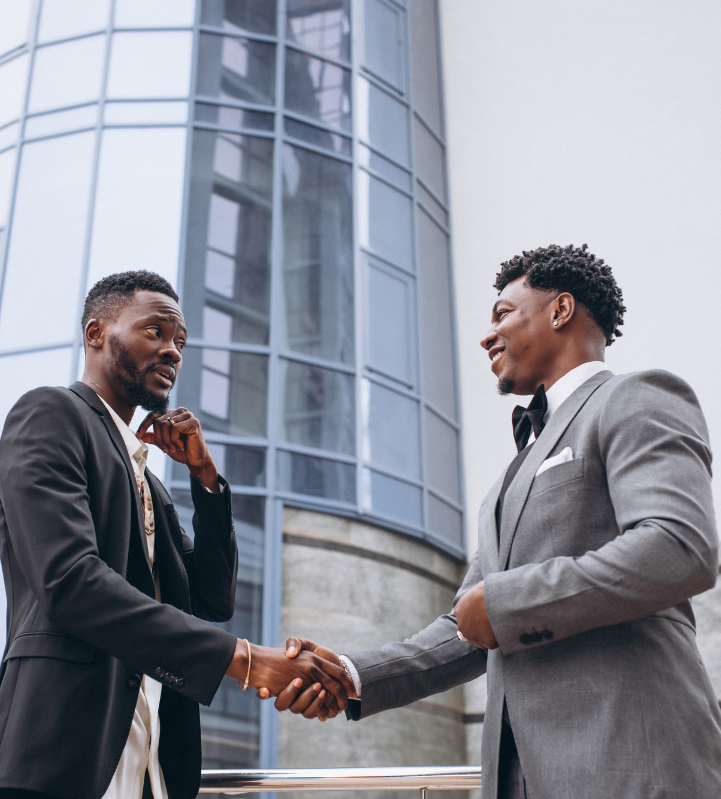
(232,781)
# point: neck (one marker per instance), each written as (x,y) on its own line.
(103,389)
(565,364)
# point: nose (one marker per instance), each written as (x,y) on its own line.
(489,339)
(170,352)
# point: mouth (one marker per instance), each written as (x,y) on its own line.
(166,375)
(495,353)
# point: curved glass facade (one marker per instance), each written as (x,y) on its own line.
(284,166)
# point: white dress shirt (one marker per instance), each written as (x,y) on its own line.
(559,392)
(141,750)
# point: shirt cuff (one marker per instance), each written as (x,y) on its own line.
(353,674)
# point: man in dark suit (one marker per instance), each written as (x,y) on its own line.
(107,657)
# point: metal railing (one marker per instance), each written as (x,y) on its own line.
(340,779)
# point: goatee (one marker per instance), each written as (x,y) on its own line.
(132,379)
(505,387)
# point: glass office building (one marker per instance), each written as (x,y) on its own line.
(283,165)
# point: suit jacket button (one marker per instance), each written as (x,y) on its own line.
(547,634)
(169,678)
(160,672)
(135,680)
(525,639)
(178,682)
(536,638)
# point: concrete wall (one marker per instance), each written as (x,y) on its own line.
(352,586)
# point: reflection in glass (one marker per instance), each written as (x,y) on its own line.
(385,168)
(243,466)
(385,221)
(53,194)
(390,497)
(61,19)
(390,430)
(425,62)
(442,456)
(317,89)
(317,255)
(320,25)
(61,121)
(139,189)
(429,160)
(226,390)
(445,521)
(146,113)
(389,327)
(317,407)
(227,117)
(231,725)
(13,83)
(150,64)
(236,69)
(67,74)
(435,311)
(21,373)
(318,477)
(159,13)
(256,16)
(317,136)
(382,121)
(384,41)
(15,30)
(229,236)
(7,173)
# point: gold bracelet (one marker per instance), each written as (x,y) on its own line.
(250,657)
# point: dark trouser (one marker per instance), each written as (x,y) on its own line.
(511,784)
(14,793)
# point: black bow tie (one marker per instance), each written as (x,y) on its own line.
(530,418)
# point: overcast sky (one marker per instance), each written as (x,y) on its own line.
(587,122)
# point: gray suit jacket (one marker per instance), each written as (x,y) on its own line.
(589,600)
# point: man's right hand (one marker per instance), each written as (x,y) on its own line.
(275,671)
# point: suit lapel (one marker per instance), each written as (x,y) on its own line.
(517,493)
(487,532)
(86,393)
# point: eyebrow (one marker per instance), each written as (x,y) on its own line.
(170,320)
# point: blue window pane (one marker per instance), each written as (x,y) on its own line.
(317,407)
(320,25)
(384,41)
(318,89)
(446,522)
(385,168)
(425,61)
(429,160)
(390,430)
(228,117)
(317,255)
(382,121)
(237,69)
(394,498)
(61,19)
(442,456)
(256,16)
(318,477)
(385,221)
(244,466)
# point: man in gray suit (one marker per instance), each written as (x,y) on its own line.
(590,545)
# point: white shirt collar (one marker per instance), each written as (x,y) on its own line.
(562,389)
(137,449)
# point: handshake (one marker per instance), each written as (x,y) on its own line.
(305,677)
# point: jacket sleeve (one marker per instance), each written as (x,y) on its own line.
(44,493)
(654,444)
(430,662)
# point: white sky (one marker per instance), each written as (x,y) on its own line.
(598,122)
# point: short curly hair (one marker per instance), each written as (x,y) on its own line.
(109,295)
(576,271)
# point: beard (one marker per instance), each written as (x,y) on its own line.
(505,387)
(130,376)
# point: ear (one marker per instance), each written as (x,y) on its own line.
(563,309)
(94,334)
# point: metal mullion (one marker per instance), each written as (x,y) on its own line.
(256,349)
(258,37)
(263,134)
(386,472)
(59,134)
(313,54)
(385,157)
(231,103)
(246,491)
(74,38)
(319,150)
(324,504)
(60,109)
(446,499)
(317,123)
(124,125)
(8,124)
(79,334)
(314,452)
(443,416)
(430,191)
(372,254)
(401,96)
(311,360)
(6,58)
(434,218)
(161,29)
(30,45)
(231,439)
(9,147)
(428,127)
(130,99)
(384,381)
(40,348)
(385,180)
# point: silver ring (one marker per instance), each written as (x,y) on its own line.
(170,419)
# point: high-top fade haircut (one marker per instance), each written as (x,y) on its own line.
(573,270)
(109,295)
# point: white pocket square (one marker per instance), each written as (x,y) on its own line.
(563,456)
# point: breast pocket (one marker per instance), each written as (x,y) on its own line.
(557,475)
